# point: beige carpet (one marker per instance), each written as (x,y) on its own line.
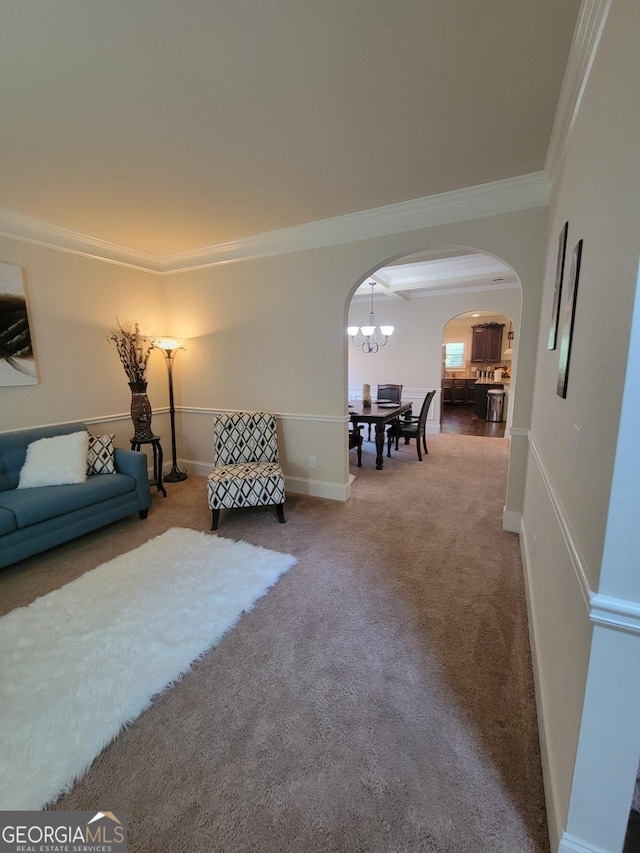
(378,699)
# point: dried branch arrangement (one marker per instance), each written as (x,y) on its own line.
(133,350)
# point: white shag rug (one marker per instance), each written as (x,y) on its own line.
(80,663)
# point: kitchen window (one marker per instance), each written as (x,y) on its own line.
(454,355)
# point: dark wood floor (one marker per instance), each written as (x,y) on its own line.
(460,420)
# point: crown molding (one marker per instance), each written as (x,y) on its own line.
(489,199)
(591,23)
(17,227)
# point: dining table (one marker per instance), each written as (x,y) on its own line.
(378,414)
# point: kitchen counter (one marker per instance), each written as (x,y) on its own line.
(466,390)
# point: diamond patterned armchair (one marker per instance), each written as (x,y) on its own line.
(246,470)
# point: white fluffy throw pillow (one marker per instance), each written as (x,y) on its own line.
(55,461)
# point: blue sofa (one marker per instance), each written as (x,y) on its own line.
(32,520)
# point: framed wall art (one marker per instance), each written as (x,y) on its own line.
(17,363)
(568,319)
(557,293)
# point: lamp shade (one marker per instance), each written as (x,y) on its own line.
(167,343)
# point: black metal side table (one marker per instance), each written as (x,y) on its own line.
(154,441)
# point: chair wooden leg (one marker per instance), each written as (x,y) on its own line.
(359,452)
(424,443)
(280,511)
(418,448)
(215,518)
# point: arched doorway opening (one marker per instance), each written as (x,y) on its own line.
(478,349)
(418,294)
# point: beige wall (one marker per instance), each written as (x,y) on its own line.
(264,333)
(271,334)
(72,302)
(566,505)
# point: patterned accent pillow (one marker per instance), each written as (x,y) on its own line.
(101,455)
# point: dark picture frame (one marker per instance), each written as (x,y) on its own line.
(557,293)
(568,320)
(17,361)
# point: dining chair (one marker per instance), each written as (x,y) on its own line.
(387,394)
(409,428)
(355,440)
(246,470)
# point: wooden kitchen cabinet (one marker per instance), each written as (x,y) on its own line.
(458,395)
(457,391)
(486,343)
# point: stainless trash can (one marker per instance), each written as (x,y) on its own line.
(495,405)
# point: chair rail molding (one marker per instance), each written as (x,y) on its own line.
(296,485)
(101,419)
(282,416)
(615,613)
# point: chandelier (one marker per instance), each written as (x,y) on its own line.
(370,342)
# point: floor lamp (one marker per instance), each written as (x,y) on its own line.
(170,347)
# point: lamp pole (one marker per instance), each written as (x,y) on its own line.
(169,347)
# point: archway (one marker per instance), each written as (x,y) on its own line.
(418,293)
(477,356)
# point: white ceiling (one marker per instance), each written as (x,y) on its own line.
(428,275)
(165,125)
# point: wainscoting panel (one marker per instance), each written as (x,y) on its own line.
(302,439)
(586,721)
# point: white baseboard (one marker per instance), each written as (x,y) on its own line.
(511,520)
(318,488)
(571,844)
(295,485)
(554,820)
